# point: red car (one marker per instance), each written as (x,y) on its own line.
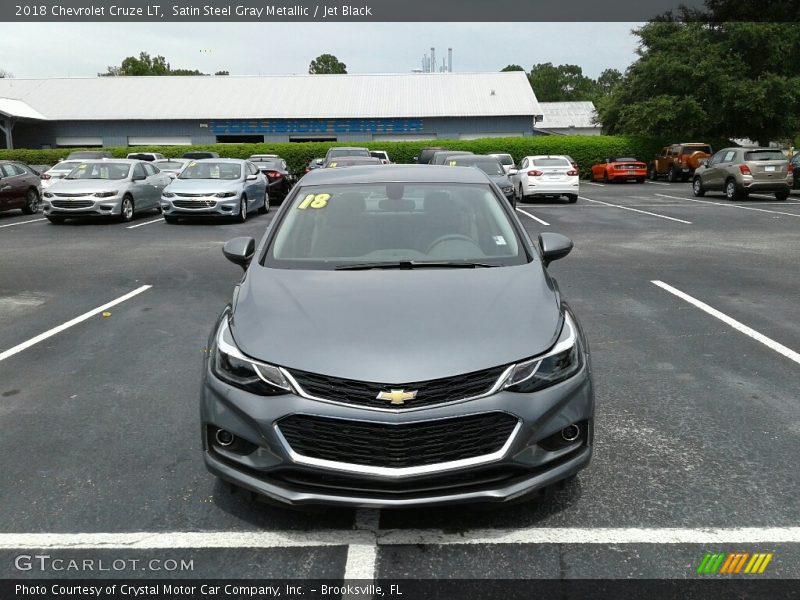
(20,187)
(619,169)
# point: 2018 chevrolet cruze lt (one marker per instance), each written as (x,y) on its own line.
(396,341)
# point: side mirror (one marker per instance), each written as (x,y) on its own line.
(251,177)
(702,162)
(240,251)
(554,246)
(513,171)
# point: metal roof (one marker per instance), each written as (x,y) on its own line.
(17,109)
(564,115)
(409,95)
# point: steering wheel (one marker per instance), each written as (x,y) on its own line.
(450,237)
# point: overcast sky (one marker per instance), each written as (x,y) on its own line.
(33,50)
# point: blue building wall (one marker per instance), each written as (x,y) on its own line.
(116,133)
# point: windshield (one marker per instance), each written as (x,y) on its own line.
(505,159)
(348,152)
(104,170)
(169,164)
(387,223)
(551,162)
(211,170)
(764,155)
(490,167)
(66,166)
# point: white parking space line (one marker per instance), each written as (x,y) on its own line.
(527,214)
(51,332)
(644,212)
(159,220)
(22,223)
(393,537)
(362,557)
(597,184)
(655,182)
(759,337)
(774,212)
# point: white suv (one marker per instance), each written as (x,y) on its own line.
(544,176)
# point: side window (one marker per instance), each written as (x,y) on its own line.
(523,164)
(149,169)
(138,172)
(20,170)
(728,156)
(715,160)
(252,168)
(7,171)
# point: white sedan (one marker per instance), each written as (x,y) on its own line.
(546,176)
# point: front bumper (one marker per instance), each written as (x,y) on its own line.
(527,463)
(206,206)
(84,206)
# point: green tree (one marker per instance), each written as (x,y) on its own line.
(561,83)
(144,65)
(326,64)
(702,77)
(511,68)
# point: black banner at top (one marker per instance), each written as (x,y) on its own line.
(130,11)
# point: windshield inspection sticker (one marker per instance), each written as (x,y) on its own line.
(314,201)
(499,240)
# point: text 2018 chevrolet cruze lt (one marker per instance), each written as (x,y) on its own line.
(396,341)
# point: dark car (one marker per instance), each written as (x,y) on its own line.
(199,154)
(278,176)
(315,163)
(795,166)
(489,165)
(341,151)
(426,154)
(20,187)
(396,341)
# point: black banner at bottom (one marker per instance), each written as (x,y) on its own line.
(402,589)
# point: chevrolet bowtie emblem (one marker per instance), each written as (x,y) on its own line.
(397,396)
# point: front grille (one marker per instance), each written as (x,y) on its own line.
(364,393)
(182,195)
(397,446)
(194,203)
(72,203)
(62,195)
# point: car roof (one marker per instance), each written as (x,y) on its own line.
(348,148)
(547,156)
(394,173)
(106,161)
(219,160)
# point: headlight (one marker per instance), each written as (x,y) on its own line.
(167,195)
(225,194)
(48,195)
(105,194)
(233,367)
(562,362)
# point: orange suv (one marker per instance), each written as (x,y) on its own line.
(679,161)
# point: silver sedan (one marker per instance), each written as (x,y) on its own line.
(216,187)
(106,188)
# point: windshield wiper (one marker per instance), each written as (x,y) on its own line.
(412,264)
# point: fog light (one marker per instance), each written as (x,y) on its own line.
(224,438)
(570,433)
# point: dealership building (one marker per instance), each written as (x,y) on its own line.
(138,111)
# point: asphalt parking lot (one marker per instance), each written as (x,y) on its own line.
(692,310)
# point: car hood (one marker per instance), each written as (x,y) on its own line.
(501,180)
(201,186)
(395,325)
(76,186)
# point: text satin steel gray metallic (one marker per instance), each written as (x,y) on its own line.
(396,341)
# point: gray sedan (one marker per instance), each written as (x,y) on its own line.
(216,187)
(397,341)
(106,188)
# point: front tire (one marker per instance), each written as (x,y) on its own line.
(697,187)
(653,173)
(672,176)
(264,208)
(521,195)
(31,202)
(605,177)
(126,210)
(242,216)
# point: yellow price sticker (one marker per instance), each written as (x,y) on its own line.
(332,165)
(452,163)
(314,201)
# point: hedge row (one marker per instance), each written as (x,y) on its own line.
(585,150)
